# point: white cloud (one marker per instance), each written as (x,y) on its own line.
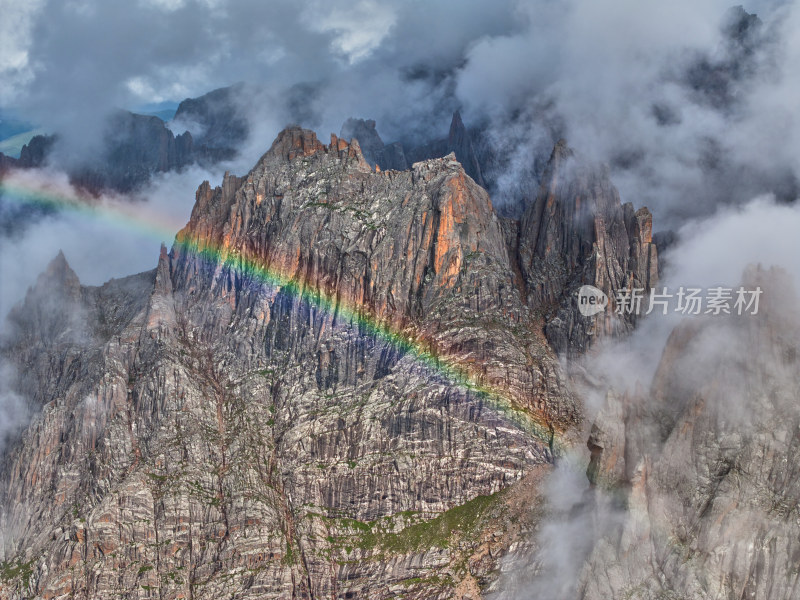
(358,27)
(15,31)
(165,5)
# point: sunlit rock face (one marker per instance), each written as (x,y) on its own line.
(336,383)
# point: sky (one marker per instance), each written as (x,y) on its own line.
(617,78)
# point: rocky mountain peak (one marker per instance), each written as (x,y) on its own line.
(347,356)
(59,273)
(369,335)
(561,152)
(295,141)
(376,153)
(395,156)
(217,119)
(742,28)
(577,232)
(459,141)
(370,142)
(49,303)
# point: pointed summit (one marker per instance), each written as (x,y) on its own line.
(364,131)
(376,153)
(561,152)
(59,262)
(456,124)
(52,308)
(295,141)
(460,142)
(59,274)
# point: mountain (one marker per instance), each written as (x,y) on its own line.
(218,122)
(137,146)
(330,385)
(375,152)
(337,380)
(576,232)
(134,148)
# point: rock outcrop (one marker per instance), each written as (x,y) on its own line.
(218,121)
(714,79)
(33,154)
(330,387)
(368,139)
(458,141)
(135,147)
(375,152)
(395,156)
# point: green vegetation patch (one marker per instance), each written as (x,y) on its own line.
(464,520)
(17,570)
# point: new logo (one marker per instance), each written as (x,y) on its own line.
(591,300)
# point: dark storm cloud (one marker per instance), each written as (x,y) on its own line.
(84,58)
(686,118)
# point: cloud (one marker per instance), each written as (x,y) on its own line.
(712,251)
(14,411)
(358,27)
(614,78)
(391,61)
(15,28)
(693,125)
(618,79)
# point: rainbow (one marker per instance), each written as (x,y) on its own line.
(52,196)
(130,216)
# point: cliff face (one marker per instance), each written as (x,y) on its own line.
(577,232)
(337,383)
(218,115)
(394,156)
(706,464)
(33,154)
(134,147)
(459,142)
(347,397)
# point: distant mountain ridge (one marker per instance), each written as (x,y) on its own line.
(137,146)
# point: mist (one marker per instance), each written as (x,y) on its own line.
(14,411)
(690,112)
(715,251)
(695,124)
